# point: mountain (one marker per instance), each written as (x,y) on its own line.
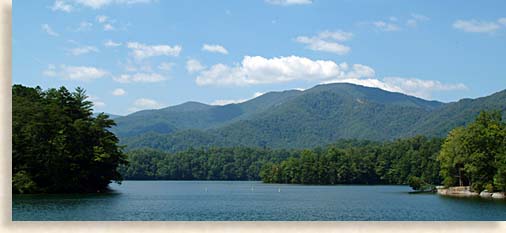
(300,119)
(194,115)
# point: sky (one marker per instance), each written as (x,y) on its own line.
(132,55)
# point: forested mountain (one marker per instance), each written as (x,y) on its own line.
(300,119)
(194,115)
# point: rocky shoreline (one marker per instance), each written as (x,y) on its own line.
(465,191)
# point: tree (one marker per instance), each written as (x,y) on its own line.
(453,157)
(58,146)
(474,155)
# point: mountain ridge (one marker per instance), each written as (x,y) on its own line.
(300,119)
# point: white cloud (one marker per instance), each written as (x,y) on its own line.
(327,41)
(193,65)
(422,88)
(109,27)
(141,51)
(214,49)
(46,28)
(502,21)
(476,26)
(420,17)
(409,86)
(140,78)
(97,4)
(166,66)
(118,92)
(60,5)
(79,73)
(83,50)
(260,70)
(101,18)
(385,26)
(225,102)
(289,2)
(84,26)
(144,103)
(96,101)
(335,35)
(110,43)
(106,22)
(415,19)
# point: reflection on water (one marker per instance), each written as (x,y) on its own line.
(245,200)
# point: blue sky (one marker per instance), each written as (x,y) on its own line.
(141,54)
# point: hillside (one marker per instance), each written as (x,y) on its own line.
(194,115)
(300,119)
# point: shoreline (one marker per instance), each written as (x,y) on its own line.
(465,191)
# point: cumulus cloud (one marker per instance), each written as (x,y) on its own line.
(386,26)
(78,73)
(110,43)
(409,86)
(214,49)
(236,101)
(476,26)
(259,70)
(83,50)
(144,103)
(118,92)
(60,5)
(327,41)
(142,51)
(46,28)
(193,65)
(140,78)
(289,2)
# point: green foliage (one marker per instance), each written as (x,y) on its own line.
(300,119)
(475,155)
(194,115)
(23,183)
(58,146)
(419,184)
(369,163)
(201,164)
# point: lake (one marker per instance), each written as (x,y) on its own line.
(251,200)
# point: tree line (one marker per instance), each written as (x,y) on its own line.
(474,156)
(386,163)
(57,144)
(344,162)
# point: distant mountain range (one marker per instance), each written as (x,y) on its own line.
(300,119)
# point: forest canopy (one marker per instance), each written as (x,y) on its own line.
(57,144)
(475,155)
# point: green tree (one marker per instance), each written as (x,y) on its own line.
(58,146)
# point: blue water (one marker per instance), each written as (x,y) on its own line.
(248,200)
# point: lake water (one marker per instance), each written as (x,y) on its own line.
(249,200)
